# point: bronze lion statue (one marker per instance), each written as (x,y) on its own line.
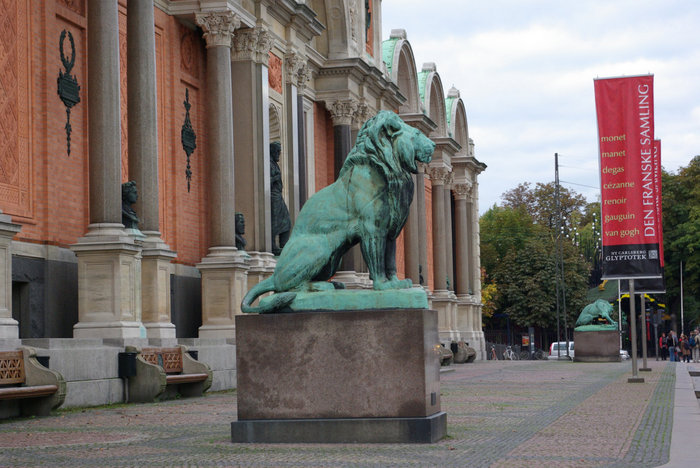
(368,204)
(596,313)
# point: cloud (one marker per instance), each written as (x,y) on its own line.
(525,71)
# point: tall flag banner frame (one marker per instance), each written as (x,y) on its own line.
(629,219)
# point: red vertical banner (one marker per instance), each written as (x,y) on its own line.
(657,194)
(630,223)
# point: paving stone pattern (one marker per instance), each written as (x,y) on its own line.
(500,414)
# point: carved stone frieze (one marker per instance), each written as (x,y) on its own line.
(252,44)
(342,111)
(274,74)
(218,27)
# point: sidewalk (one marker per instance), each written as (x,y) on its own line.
(500,414)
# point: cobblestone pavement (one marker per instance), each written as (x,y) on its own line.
(500,414)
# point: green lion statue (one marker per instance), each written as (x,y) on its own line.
(368,204)
(597,314)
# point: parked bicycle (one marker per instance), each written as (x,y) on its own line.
(510,354)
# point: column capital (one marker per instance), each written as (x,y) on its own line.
(218,27)
(252,44)
(439,175)
(361,114)
(296,70)
(342,110)
(461,190)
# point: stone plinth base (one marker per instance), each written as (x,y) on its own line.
(336,299)
(224,283)
(353,430)
(597,346)
(338,366)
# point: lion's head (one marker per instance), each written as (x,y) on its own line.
(388,142)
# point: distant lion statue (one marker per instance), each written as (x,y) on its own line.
(368,204)
(596,313)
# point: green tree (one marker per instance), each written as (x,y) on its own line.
(540,202)
(681,225)
(502,230)
(519,254)
(527,287)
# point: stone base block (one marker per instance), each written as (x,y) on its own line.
(597,346)
(344,430)
(359,364)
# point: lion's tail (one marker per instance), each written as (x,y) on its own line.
(278,301)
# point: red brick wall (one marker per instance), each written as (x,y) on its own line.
(181,65)
(400,258)
(45,189)
(323,147)
(41,186)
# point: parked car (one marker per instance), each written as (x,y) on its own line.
(624,355)
(560,346)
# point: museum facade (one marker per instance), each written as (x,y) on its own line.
(184,97)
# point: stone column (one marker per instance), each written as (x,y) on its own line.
(463,241)
(475,269)
(224,268)
(109,302)
(442,302)
(423,266)
(411,240)
(296,74)
(342,113)
(438,177)
(251,129)
(251,122)
(9,327)
(449,264)
(143,168)
(464,322)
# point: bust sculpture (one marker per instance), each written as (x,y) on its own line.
(240,230)
(281,224)
(129,196)
(368,204)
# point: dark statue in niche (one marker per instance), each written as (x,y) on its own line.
(280,222)
(129,197)
(240,230)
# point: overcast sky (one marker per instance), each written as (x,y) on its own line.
(525,71)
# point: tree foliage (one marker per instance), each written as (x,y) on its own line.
(520,257)
(540,202)
(681,225)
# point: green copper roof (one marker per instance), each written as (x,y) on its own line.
(388,47)
(449,102)
(422,77)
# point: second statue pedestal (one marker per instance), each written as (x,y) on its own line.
(346,376)
(597,346)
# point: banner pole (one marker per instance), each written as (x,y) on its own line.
(682,327)
(633,336)
(643,331)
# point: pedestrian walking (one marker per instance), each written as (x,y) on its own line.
(671,345)
(695,345)
(685,348)
(663,348)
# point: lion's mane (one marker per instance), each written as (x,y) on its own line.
(380,144)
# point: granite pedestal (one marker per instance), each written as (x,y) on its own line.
(597,346)
(346,376)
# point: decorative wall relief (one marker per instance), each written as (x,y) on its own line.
(188,137)
(274,74)
(68,87)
